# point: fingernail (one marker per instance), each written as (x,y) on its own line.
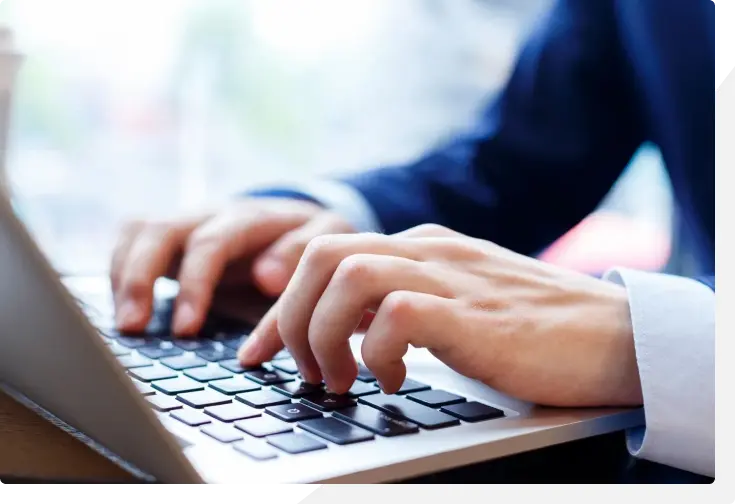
(129,314)
(184,318)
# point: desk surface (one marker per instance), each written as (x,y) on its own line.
(36,449)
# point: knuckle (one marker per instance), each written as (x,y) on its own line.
(432,230)
(399,308)
(319,249)
(354,269)
(203,238)
(136,287)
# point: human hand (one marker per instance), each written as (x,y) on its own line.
(215,255)
(523,327)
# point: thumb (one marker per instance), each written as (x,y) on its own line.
(274,267)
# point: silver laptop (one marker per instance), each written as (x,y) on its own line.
(185,411)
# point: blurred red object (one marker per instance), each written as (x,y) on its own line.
(606,240)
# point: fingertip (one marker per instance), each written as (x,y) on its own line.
(130,317)
(187,320)
(271,275)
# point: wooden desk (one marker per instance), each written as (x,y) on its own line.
(32,448)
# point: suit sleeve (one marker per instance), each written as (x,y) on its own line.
(674,331)
(547,150)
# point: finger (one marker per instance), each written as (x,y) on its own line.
(274,268)
(315,270)
(208,252)
(403,319)
(360,283)
(428,231)
(120,252)
(264,342)
(148,259)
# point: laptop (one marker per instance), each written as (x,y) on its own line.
(176,411)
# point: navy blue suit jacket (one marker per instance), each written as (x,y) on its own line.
(596,80)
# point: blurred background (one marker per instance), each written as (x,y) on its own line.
(153,108)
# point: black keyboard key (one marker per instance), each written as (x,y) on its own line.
(234,386)
(222,433)
(192,345)
(234,342)
(473,411)
(286,365)
(204,398)
(401,407)
(165,349)
(134,361)
(360,389)
(149,374)
(293,412)
(193,418)
(436,398)
(297,390)
(328,402)
(295,443)
(376,421)
(217,352)
(144,388)
(263,426)
(207,374)
(233,365)
(263,398)
(336,431)
(265,377)
(364,374)
(178,385)
(410,386)
(231,412)
(164,403)
(183,362)
(256,450)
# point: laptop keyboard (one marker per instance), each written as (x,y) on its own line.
(268,412)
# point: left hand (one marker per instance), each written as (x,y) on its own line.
(523,327)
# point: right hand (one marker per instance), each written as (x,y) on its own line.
(256,241)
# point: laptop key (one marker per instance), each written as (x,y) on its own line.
(232,412)
(222,433)
(364,374)
(234,386)
(149,374)
(256,450)
(117,350)
(336,431)
(410,386)
(283,354)
(183,362)
(265,377)
(263,426)
(191,417)
(297,390)
(328,402)
(178,385)
(207,374)
(473,411)
(164,403)
(144,388)
(293,412)
(295,443)
(360,389)
(192,345)
(234,343)
(376,421)
(286,365)
(233,365)
(217,352)
(263,398)
(401,407)
(204,398)
(165,349)
(436,398)
(136,341)
(134,361)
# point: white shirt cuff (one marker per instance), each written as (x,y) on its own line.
(344,200)
(674,331)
